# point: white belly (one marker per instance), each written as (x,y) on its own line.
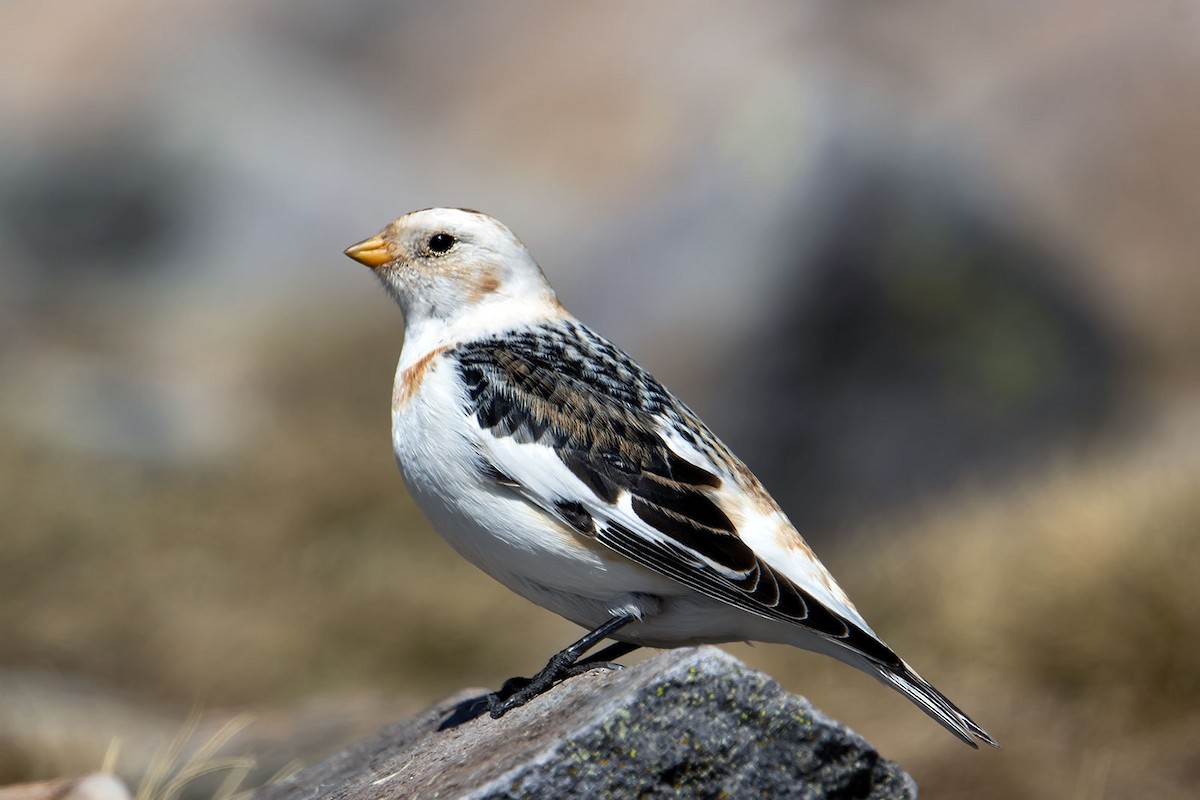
(495,528)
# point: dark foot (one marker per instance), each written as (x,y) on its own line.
(516,692)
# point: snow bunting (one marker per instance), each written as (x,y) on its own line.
(555,463)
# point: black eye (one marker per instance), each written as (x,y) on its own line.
(441,242)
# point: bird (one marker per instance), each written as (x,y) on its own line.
(555,463)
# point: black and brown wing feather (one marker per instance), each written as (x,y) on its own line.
(563,386)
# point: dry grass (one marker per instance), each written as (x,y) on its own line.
(1059,612)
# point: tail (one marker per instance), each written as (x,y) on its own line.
(921,692)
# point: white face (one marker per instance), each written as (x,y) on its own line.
(444,262)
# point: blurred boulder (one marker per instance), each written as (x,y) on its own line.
(916,340)
(689,723)
(108,206)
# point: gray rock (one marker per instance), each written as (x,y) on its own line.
(688,723)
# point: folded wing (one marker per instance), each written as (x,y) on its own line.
(576,427)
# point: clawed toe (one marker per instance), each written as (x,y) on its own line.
(508,696)
(516,692)
(499,706)
(500,703)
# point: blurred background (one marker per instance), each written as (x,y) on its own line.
(928,267)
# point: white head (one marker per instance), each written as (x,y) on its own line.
(446,265)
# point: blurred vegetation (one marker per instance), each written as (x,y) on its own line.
(1056,610)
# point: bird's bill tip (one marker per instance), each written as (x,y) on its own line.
(373,252)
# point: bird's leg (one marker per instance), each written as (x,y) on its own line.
(518,691)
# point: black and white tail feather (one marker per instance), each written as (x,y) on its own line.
(933,703)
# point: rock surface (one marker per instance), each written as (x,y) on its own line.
(688,723)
